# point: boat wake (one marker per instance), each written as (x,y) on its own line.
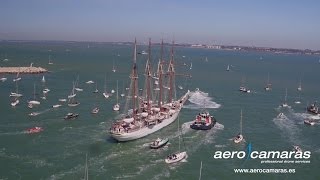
(287,124)
(200,99)
(13,133)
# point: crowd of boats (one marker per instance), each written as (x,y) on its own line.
(151,108)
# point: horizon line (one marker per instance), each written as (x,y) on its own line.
(85,41)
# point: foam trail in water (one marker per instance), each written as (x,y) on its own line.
(200,100)
(288,128)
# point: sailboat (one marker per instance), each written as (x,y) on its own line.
(113,67)
(50,62)
(285,104)
(116,107)
(15,102)
(105,93)
(300,87)
(77,88)
(239,138)
(3,79)
(43,80)
(178,156)
(16,94)
(123,92)
(268,86)
(190,65)
(33,102)
(17,78)
(45,90)
(243,88)
(96,90)
(146,116)
(228,67)
(72,95)
(72,101)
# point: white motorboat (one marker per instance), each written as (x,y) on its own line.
(95,110)
(90,82)
(158,143)
(15,102)
(56,105)
(309,122)
(297,148)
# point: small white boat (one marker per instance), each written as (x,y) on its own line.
(309,122)
(299,87)
(158,143)
(228,67)
(34,114)
(72,96)
(33,102)
(176,157)
(56,105)
(106,95)
(113,91)
(122,94)
(95,110)
(78,89)
(297,102)
(297,148)
(116,107)
(90,82)
(50,62)
(73,104)
(244,89)
(12,94)
(281,115)
(63,100)
(3,79)
(43,79)
(238,139)
(45,90)
(17,79)
(71,116)
(180,87)
(15,102)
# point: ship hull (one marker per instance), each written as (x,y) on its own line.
(146,130)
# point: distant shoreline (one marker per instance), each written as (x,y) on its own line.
(22,70)
(188,45)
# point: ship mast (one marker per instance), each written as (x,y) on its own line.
(160,73)
(134,83)
(171,73)
(148,79)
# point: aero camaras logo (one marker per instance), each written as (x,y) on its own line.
(262,154)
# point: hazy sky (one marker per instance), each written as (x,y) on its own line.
(272,23)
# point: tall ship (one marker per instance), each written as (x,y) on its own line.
(156,107)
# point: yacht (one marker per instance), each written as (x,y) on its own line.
(158,143)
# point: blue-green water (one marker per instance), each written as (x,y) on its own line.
(59,151)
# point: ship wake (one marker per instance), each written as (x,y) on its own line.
(199,100)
